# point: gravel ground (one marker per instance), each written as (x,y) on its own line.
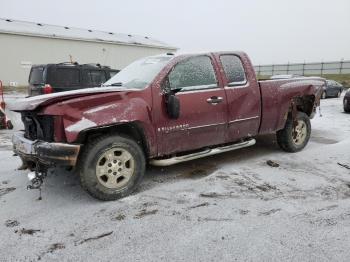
(227,207)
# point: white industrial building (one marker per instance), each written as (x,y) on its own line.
(23,44)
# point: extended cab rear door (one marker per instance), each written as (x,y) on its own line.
(243,96)
(203,108)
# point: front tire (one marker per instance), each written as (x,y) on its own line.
(111,167)
(295,136)
(324,95)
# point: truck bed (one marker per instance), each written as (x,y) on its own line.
(276,97)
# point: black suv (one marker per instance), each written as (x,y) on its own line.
(50,78)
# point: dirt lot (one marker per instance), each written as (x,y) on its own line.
(223,208)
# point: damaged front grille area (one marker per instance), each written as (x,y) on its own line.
(38,126)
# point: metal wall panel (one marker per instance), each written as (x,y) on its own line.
(18,53)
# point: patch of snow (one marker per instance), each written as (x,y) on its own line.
(81,125)
(100,108)
(233,204)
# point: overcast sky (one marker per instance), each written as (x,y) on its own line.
(270,31)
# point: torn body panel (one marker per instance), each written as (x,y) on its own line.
(84,114)
(277,97)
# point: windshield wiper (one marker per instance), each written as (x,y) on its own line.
(116,84)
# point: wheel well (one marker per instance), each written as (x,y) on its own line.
(132,130)
(304,104)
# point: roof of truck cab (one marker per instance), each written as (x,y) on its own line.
(239,53)
(17,27)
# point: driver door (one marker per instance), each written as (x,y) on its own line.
(203,108)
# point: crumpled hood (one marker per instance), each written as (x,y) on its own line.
(31,103)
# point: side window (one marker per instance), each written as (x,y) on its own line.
(113,73)
(96,77)
(234,69)
(67,76)
(192,74)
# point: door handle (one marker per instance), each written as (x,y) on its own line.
(214,100)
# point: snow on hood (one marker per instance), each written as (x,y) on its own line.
(80,125)
(30,103)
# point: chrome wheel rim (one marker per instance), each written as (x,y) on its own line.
(300,132)
(115,167)
(324,95)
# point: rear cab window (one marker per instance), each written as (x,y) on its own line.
(195,73)
(36,76)
(234,70)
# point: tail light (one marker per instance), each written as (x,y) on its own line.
(48,89)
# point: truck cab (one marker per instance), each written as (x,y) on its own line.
(218,105)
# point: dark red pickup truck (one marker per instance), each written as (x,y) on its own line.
(163,110)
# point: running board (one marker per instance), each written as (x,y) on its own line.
(204,153)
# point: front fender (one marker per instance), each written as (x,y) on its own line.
(133,110)
(101,110)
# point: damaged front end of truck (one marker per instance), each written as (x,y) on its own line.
(38,150)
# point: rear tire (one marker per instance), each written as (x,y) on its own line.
(324,95)
(111,167)
(294,138)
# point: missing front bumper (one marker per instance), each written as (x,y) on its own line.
(59,154)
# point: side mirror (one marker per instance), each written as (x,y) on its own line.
(173,106)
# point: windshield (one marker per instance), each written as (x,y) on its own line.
(140,73)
